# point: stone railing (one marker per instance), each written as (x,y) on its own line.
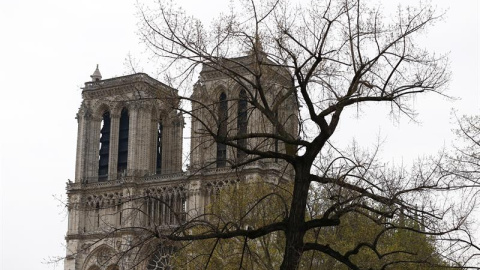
(138,77)
(259,165)
(118,182)
(93,185)
(254,165)
(164,177)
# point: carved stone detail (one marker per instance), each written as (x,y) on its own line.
(104,199)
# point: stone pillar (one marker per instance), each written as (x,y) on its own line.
(74,214)
(130,209)
(70,261)
(92,148)
(140,140)
(178,149)
(75,226)
(172,137)
(153,145)
(201,145)
(81,147)
(113,154)
(132,140)
(143,140)
(167,146)
(195,201)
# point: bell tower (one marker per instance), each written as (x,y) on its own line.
(225,103)
(129,140)
(127,127)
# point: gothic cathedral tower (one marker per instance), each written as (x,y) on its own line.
(129,183)
(129,134)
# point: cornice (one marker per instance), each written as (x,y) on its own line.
(136,84)
(128,79)
(108,235)
(174,179)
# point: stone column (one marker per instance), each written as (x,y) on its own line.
(139,140)
(131,214)
(81,147)
(172,136)
(92,148)
(143,139)
(194,200)
(178,135)
(74,218)
(153,145)
(132,140)
(113,154)
(73,248)
(167,145)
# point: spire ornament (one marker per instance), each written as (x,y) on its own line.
(96,76)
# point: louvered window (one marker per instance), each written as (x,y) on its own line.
(104,148)
(123,142)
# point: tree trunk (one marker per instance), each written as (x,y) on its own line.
(296,220)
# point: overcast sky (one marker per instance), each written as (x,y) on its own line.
(49,48)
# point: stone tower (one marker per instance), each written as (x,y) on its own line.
(229,97)
(128,132)
(129,182)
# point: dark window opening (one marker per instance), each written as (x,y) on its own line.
(242,122)
(104,148)
(159,148)
(222,131)
(123,142)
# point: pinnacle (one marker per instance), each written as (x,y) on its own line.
(96,76)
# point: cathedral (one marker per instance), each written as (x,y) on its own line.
(132,177)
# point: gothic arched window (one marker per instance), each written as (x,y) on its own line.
(222,130)
(242,122)
(123,142)
(104,148)
(159,147)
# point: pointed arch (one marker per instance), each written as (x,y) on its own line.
(99,108)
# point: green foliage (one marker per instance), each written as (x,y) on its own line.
(246,206)
(399,243)
(396,245)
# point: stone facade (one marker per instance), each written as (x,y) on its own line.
(129,180)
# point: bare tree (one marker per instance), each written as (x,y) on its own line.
(298,69)
(328,56)
(465,161)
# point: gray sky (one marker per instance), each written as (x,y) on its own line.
(49,48)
